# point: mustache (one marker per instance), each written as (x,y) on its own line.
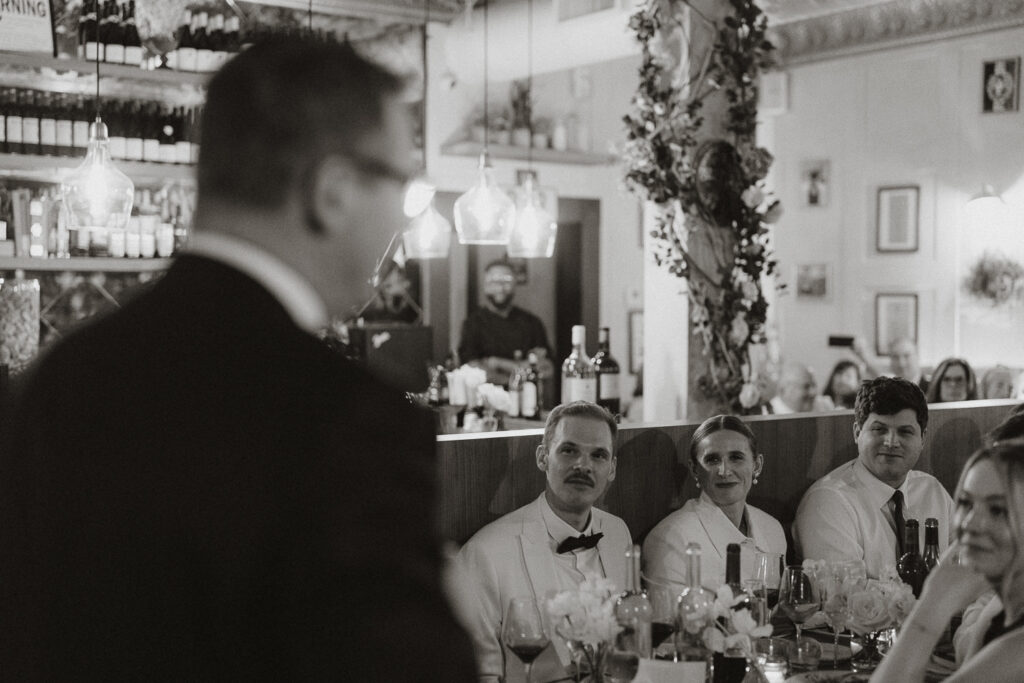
(579,479)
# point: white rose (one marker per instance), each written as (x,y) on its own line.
(749,395)
(750,290)
(868,611)
(739,331)
(752,196)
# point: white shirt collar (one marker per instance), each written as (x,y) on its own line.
(879,493)
(558,528)
(289,287)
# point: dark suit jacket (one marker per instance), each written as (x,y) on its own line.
(193,488)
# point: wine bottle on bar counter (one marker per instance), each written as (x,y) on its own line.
(579,381)
(607,369)
(931,543)
(530,392)
(633,610)
(911,566)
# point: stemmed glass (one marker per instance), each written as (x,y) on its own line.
(524,631)
(768,571)
(798,600)
(663,597)
(844,576)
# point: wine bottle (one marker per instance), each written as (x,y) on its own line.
(911,566)
(186,52)
(931,543)
(133,52)
(167,135)
(515,384)
(132,132)
(195,116)
(201,41)
(633,610)
(29,123)
(607,374)
(47,124)
(232,35)
(151,133)
(4,107)
(579,381)
(733,553)
(218,53)
(696,608)
(83,24)
(64,124)
(80,126)
(91,31)
(530,392)
(113,44)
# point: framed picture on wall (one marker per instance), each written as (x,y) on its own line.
(813,281)
(895,318)
(897,218)
(636,341)
(1001,85)
(815,176)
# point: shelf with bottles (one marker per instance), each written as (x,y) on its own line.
(83,264)
(47,169)
(471,148)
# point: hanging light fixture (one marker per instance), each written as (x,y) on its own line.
(985,208)
(429,234)
(97,195)
(484,214)
(535,228)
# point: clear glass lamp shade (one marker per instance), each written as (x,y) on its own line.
(535,228)
(484,214)
(429,235)
(419,195)
(97,194)
(986,208)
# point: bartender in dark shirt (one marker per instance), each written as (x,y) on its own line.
(494,332)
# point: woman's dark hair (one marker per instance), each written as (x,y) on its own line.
(720,423)
(841,401)
(934,394)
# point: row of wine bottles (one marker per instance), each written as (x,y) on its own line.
(591,379)
(57,124)
(110,30)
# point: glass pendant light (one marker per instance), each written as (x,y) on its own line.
(986,208)
(484,214)
(97,195)
(535,228)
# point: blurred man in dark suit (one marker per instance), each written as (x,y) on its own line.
(195,488)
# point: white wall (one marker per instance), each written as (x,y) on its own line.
(907,116)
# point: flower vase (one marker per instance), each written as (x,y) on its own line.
(870,654)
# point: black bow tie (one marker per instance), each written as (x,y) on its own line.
(574,542)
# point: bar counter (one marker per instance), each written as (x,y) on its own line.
(484,476)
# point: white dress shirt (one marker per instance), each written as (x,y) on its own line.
(289,287)
(570,567)
(847,515)
(701,521)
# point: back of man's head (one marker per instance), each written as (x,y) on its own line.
(888,396)
(275,110)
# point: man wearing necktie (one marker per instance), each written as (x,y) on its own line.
(549,544)
(858,511)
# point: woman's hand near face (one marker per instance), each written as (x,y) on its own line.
(951,586)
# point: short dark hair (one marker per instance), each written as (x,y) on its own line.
(888,396)
(277,109)
(720,423)
(578,409)
(934,394)
(840,367)
(499,262)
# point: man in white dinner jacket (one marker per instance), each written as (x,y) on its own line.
(548,544)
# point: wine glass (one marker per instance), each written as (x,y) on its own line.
(524,631)
(844,576)
(663,597)
(768,571)
(798,600)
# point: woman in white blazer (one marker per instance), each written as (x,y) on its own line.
(725,463)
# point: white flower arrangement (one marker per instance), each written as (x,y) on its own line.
(494,398)
(586,616)
(731,628)
(870,605)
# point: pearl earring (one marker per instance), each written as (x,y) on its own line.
(755,481)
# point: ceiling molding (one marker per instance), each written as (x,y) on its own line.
(893,24)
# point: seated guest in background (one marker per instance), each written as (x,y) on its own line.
(842,384)
(997,383)
(953,380)
(495,331)
(547,545)
(224,498)
(904,362)
(797,391)
(989,524)
(858,510)
(725,464)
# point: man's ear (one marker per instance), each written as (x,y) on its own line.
(542,458)
(329,194)
(856,431)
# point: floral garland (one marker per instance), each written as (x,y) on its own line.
(665,165)
(996,279)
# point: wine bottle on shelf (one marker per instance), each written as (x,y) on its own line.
(29,122)
(218,55)
(911,566)
(633,610)
(14,139)
(80,125)
(530,394)
(116,118)
(167,135)
(696,607)
(186,52)
(931,543)
(91,32)
(47,124)
(515,384)
(579,381)
(133,52)
(150,133)
(607,369)
(232,35)
(201,40)
(4,106)
(64,124)
(182,147)
(83,23)
(193,133)
(113,45)
(132,132)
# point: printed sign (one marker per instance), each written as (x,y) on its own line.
(26,26)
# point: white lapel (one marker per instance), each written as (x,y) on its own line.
(612,550)
(540,566)
(717,527)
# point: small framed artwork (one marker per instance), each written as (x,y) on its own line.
(897,218)
(636,341)
(895,318)
(814,179)
(813,281)
(1000,87)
